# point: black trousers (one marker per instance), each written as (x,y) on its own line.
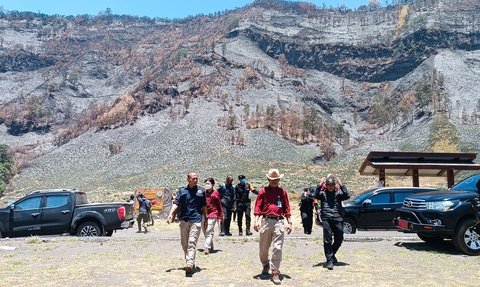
(332,228)
(225,225)
(241,209)
(142,217)
(307,221)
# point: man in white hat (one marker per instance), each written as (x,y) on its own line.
(272,209)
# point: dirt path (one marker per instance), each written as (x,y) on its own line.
(155,259)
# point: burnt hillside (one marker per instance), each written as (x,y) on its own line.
(274,81)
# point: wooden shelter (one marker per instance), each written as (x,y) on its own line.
(416,164)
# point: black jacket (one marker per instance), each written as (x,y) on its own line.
(227,195)
(242,193)
(331,202)
(306,204)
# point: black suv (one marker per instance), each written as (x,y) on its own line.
(375,208)
(447,214)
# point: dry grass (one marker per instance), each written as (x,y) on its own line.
(147,260)
(133,259)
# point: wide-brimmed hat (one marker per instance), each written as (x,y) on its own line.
(274,174)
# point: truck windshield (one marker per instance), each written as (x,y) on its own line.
(81,198)
(468,184)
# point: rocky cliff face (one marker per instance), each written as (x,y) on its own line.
(283,82)
(367,63)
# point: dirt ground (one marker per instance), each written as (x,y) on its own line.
(155,259)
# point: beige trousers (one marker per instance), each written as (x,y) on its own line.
(209,232)
(189,233)
(271,230)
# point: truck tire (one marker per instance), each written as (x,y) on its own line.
(431,239)
(349,226)
(467,237)
(88,229)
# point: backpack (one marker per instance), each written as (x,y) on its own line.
(148,204)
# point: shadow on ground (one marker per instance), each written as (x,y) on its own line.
(269,276)
(324,264)
(444,247)
(195,270)
(211,251)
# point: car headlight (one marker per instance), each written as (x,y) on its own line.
(442,205)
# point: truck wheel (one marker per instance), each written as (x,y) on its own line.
(349,226)
(467,237)
(88,229)
(430,238)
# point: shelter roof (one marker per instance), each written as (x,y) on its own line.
(431,164)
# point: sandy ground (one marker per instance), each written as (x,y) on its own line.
(128,258)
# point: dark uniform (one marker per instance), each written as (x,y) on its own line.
(332,216)
(306,211)
(243,204)
(144,207)
(227,196)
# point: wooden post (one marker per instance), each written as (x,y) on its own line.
(450,178)
(381,174)
(415,180)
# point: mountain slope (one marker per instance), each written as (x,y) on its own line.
(108,104)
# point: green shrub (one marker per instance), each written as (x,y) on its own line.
(443,135)
(7,169)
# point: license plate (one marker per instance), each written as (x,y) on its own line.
(403,224)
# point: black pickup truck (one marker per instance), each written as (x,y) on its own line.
(60,211)
(451,214)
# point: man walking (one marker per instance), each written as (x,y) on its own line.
(192,203)
(272,208)
(227,195)
(331,193)
(143,208)
(243,203)
(306,210)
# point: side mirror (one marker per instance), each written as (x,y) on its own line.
(367,202)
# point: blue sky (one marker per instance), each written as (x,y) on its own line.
(150,8)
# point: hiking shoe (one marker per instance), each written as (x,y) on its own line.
(330,265)
(276,278)
(222,234)
(334,260)
(249,233)
(188,270)
(265,269)
(228,234)
(240,233)
(206,251)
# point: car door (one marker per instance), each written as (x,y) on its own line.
(379,213)
(56,214)
(27,217)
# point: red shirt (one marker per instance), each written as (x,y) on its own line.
(267,202)
(214,205)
